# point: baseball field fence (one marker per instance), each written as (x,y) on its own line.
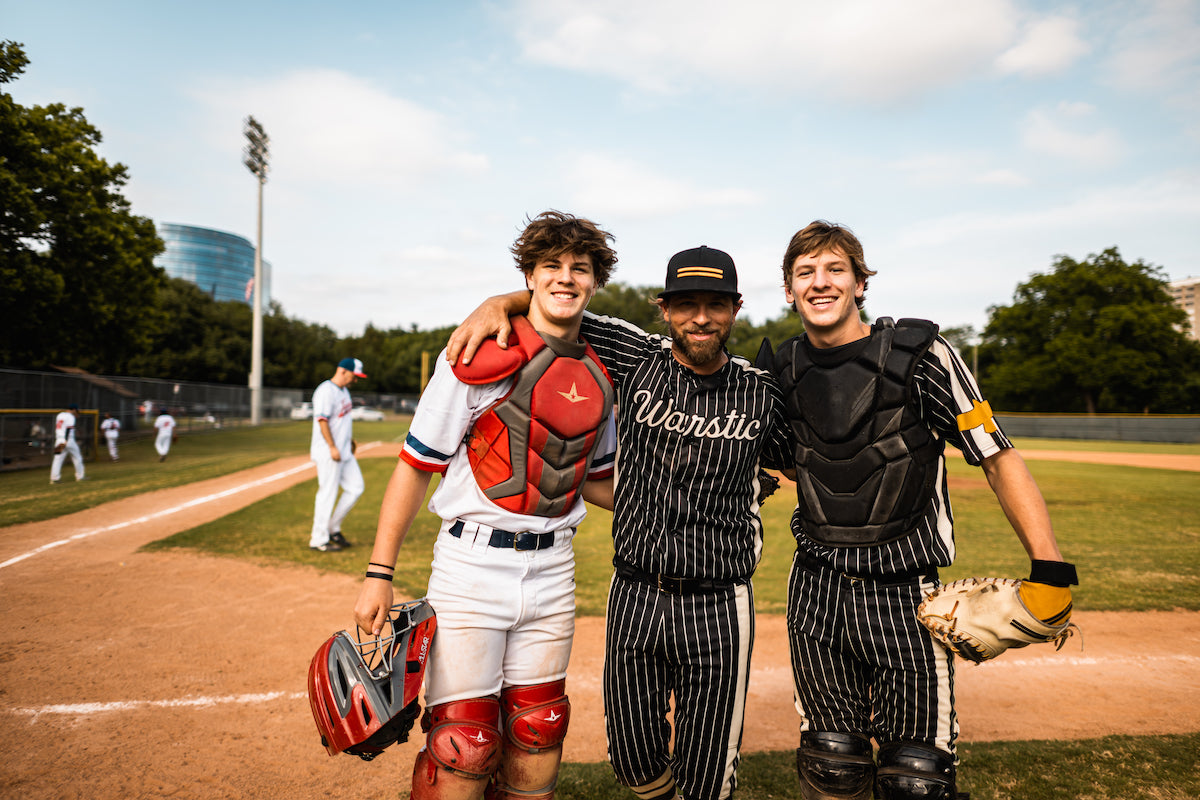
(30,400)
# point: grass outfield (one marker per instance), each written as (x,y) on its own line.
(1133,532)
(1110,768)
(28,495)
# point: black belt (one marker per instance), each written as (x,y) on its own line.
(928,574)
(509,540)
(670,585)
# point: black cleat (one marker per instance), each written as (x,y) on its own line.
(339,540)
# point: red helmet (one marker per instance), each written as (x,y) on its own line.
(364,693)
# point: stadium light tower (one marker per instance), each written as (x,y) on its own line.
(256,154)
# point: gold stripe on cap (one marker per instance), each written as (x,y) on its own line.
(700,272)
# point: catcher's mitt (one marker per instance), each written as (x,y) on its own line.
(58,448)
(980,618)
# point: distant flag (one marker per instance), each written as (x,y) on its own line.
(249,289)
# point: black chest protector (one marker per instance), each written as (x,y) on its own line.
(866,463)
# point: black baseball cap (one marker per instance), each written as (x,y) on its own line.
(701,269)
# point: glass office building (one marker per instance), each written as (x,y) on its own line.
(221,264)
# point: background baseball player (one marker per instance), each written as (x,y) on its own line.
(332,450)
(164,423)
(514,436)
(65,444)
(872,408)
(111,426)
(694,425)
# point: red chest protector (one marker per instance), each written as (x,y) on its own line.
(531,450)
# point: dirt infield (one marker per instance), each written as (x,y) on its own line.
(130,674)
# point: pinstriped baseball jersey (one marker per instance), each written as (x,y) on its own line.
(944,391)
(861,661)
(689,449)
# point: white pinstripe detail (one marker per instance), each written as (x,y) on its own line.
(745,626)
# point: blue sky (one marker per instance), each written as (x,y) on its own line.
(966,143)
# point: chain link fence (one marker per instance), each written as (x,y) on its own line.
(30,400)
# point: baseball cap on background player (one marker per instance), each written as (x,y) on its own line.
(354,365)
(701,269)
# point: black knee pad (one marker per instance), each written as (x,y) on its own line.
(834,766)
(915,771)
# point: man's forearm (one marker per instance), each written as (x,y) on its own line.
(516,302)
(1023,504)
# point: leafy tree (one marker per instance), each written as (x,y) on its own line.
(1097,335)
(747,338)
(631,303)
(196,338)
(297,354)
(636,304)
(76,266)
(963,337)
(393,358)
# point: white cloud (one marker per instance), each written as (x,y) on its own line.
(956,168)
(1159,48)
(950,268)
(1050,45)
(330,126)
(1060,132)
(622,188)
(1002,177)
(866,50)
(1158,203)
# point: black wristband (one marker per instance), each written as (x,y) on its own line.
(377,564)
(1054,573)
(381,575)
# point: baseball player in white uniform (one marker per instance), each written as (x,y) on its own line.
(164,423)
(111,426)
(332,450)
(64,444)
(515,437)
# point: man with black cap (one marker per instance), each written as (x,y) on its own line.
(65,444)
(332,450)
(694,426)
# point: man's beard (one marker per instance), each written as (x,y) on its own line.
(700,353)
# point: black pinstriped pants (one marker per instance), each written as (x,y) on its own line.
(695,648)
(862,662)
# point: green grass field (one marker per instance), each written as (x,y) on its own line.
(1133,532)
(1110,768)
(29,496)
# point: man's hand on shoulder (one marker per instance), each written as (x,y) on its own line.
(489,319)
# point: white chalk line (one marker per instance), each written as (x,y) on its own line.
(1080,661)
(167,511)
(91,709)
